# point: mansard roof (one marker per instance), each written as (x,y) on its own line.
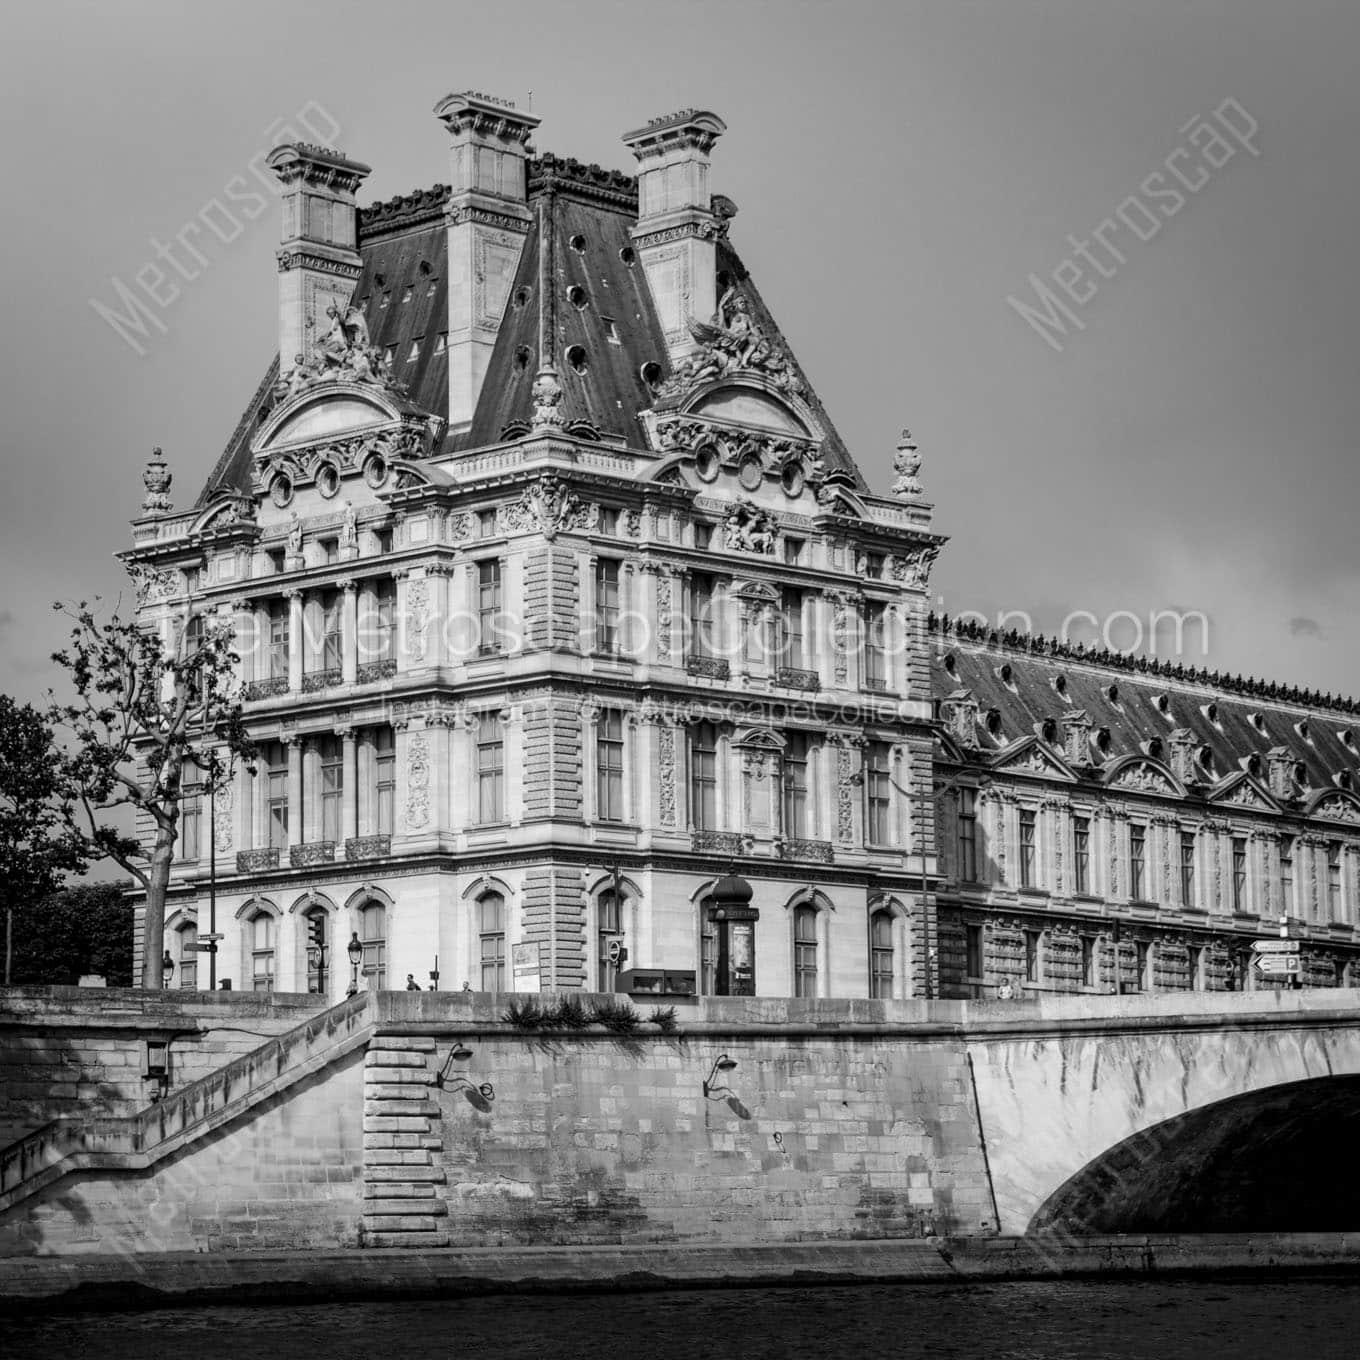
(1139,710)
(402,245)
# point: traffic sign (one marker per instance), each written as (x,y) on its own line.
(1280,965)
(1275,946)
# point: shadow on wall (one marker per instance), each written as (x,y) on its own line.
(1276,1160)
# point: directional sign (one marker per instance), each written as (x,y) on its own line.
(1280,965)
(1275,946)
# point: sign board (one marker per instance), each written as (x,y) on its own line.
(1280,965)
(1275,946)
(524,962)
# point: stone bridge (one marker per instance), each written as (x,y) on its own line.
(1201,1112)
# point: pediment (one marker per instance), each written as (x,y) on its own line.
(763,737)
(1337,807)
(1243,791)
(1032,756)
(324,412)
(1143,774)
(744,404)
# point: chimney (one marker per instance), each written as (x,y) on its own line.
(318,257)
(677,229)
(488,219)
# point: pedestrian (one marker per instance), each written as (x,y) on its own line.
(411,984)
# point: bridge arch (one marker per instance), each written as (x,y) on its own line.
(1270,1160)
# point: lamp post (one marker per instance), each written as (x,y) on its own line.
(167,969)
(355,950)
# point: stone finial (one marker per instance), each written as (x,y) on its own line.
(906,465)
(157,478)
(547,394)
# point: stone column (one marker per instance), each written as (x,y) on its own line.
(295,643)
(349,631)
(349,793)
(311,790)
(295,832)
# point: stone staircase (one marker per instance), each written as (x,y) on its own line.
(402,1207)
(185,1116)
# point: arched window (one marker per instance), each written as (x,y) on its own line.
(318,949)
(881,955)
(373,936)
(708,950)
(491,923)
(805,951)
(187,942)
(262,951)
(608,927)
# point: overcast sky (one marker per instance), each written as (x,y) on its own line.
(901,170)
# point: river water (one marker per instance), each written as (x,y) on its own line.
(1256,1319)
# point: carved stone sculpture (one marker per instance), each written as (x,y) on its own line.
(750,529)
(157,478)
(731,343)
(906,465)
(345,353)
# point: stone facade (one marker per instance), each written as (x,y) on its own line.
(555,600)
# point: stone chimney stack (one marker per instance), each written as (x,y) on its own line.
(677,229)
(488,219)
(318,257)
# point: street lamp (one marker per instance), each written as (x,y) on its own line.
(355,950)
(167,969)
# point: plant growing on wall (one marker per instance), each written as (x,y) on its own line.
(36,848)
(143,713)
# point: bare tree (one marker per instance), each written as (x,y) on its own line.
(141,713)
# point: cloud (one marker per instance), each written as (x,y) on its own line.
(1305,627)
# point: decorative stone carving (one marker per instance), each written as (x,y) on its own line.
(845,794)
(344,354)
(294,535)
(913,569)
(547,396)
(906,465)
(1338,810)
(665,740)
(417,618)
(665,604)
(150,583)
(546,506)
(750,529)
(732,343)
(349,526)
(368,847)
(840,630)
(1144,779)
(157,478)
(417,782)
(222,818)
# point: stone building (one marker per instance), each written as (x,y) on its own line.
(558,595)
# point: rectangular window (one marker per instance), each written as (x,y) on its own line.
(332,780)
(1081,857)
(881,955)
(793,551)
(1334,880)
(703,776)
(1137,861)
(490,768)
(1143,955)
(384,780)
(796,784)
(1187,868)
(382,540)
(486,524)
(701,618)
(330,550)
(330,631)
(875,647)
(278,639)
(1033,961)
(609,520)
(1239,873)
(878,793)
(609,765)
(190,813)
(873,566)
(972,953)
(805,951)
(384,619)
(488,607)
(791,627)
(276,756)
(277,561)
(1287,877)
(607,605)
(1088,961)
(1194,957)
(968,860)
(703,535)
(1028,847)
